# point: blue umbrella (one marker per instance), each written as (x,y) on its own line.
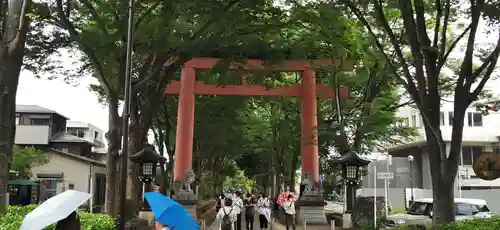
(170,213)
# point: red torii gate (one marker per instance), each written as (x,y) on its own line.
(308,91)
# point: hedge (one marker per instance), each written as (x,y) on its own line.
(475,224)
(472,224)
(13,219)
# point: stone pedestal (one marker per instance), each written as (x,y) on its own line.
(346,220)
(148,216)
(137,224)
(312,209)
(188,200)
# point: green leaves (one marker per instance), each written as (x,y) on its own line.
(13,219)
(24,159)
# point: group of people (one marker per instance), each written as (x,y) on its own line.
(233,207)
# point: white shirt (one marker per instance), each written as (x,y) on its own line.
(238,205)
(227,211)
(263,204)
(289,207)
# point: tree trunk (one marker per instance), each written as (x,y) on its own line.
(442,186)
(11,60)
(442,180)
(114,142)
(9,77)
(140,121)
(293,170)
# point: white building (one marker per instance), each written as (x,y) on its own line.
(480,135)
(89,133)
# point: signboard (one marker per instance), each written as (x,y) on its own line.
(402,170)
(385,175)
(462,171)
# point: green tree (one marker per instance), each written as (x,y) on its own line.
(240,182)
(422,37)
(24,159)
(25,43)
(367,115)
(173,31)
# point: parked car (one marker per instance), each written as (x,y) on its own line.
(419,214)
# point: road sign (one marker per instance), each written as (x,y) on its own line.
(385,175)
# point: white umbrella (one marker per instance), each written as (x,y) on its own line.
(54,209)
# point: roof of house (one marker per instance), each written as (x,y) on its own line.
(63,137)
(78,157)
(36,109)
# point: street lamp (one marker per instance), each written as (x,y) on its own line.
(352,169)
(147,158)
(410,160)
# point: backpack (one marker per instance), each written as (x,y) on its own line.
(226,222)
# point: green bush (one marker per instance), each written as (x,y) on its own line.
(475,224)
(13,219)
(398,211)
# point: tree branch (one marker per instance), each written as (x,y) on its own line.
(86,49)
(409,23)
(492,62)
(442,49)
(445,53)
(437,27)
(465,78)
(145,14)
(191,42)
(409,85)
(95,16)
(21,28)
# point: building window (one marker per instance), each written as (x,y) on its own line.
(474,119)
(77,132)
(18,120)
(40,121)
(466,210)
(470,153)
(71,186)
(96,134)
(441,119)
(450,118)
(413,120)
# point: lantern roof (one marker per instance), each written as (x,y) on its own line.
(147,154)
(352,158)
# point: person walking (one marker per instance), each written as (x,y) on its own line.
(249,211)
(289,207)
(226,215)
(71,222)
(264,211)
(238,208)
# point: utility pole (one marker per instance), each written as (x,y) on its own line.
(126,116)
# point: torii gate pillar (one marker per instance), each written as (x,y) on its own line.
(185,125)
(308,127)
